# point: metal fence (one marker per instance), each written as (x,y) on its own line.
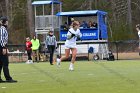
(125,49)
(45,22)
(121,50)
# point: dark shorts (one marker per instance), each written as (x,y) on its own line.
(3,58)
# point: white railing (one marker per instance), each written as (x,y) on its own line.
(46,22)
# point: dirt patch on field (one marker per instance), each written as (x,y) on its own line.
(132,55)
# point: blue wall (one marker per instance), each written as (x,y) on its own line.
(87,34)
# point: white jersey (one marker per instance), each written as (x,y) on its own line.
(71,43)
(139,33)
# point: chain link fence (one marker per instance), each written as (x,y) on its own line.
(125,49)
(122,50)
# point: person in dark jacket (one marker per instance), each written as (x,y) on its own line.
(110,56)
(51,45)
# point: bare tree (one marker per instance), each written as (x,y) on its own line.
(30,17)
(7,7)
(129,14)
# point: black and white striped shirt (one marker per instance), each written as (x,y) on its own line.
(3,36)
(51,40)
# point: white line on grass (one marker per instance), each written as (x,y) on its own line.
(3,87)
(41,80)
(90,74)
(24,73)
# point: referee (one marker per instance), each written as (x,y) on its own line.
(4,62)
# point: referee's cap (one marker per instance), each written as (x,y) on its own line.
(3,19)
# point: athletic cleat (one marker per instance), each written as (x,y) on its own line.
(27,62)
(71,68)
(58,62)
(2,81)
(31,61)
(11,81)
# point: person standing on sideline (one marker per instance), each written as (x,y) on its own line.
(51,45)
(29,50)
(70,44)
(138,29)
(35,48)
(4,62)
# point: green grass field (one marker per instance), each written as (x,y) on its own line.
(89,77)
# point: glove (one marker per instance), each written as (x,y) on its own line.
(78,38)
(72,35)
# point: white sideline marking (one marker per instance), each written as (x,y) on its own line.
(41,80)
(90,74)
(3,87)
(34,72)
(24,73)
